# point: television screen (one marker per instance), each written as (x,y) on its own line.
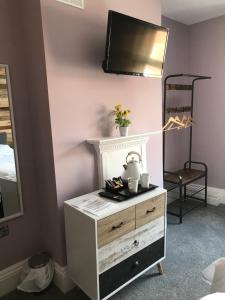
(134,47)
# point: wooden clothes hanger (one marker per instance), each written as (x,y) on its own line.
(188,122)
(171,122)
(185,122)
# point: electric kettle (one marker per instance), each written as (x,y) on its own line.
(132,168)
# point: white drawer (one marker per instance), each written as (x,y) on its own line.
(127,245)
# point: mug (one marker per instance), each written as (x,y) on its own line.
(133,185)
(145,180)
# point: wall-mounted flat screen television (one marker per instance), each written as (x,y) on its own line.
(134,47)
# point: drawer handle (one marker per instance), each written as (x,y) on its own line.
(117,226)
(136,243)
(150,211)
(136,264)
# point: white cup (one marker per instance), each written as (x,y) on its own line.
(145,180)
(133,185)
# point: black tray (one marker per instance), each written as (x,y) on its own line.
(125,194)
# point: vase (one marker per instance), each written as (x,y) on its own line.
(123,131)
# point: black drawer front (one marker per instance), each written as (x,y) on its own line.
(113,278)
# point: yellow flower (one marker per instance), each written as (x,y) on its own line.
(121,116)
(117,107)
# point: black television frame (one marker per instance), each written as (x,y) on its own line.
(107,47)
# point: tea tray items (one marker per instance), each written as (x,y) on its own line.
(124,194)
(108,250)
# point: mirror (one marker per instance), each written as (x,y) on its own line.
(10,189)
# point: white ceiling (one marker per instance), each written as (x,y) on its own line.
(192,11)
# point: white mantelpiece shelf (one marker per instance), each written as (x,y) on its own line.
(120,140)
(112,152)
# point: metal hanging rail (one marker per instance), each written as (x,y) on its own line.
(183,177)
(196,78)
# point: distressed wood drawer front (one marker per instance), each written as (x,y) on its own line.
(115,226)
(127,245)
(112,279)
(150,210)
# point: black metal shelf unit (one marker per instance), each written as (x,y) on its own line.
(182,178)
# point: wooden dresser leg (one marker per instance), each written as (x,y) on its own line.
(160,268)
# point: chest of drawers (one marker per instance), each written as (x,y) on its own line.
(108,251)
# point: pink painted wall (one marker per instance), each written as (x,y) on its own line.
(41,128)
(24,238)
(177,56)
(81,95)
(177,62)
(207,57)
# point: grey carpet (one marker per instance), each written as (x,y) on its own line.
(191,247)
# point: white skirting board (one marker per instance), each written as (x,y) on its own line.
(10,277)
(62,280)
(215,197)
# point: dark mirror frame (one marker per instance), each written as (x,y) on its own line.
(20,211)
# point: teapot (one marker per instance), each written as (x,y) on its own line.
(132,167)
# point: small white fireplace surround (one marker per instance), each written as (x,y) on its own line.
(112,152)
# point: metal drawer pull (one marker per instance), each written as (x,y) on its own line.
(136,264)
(151,211)
(117,226)
(136,243)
